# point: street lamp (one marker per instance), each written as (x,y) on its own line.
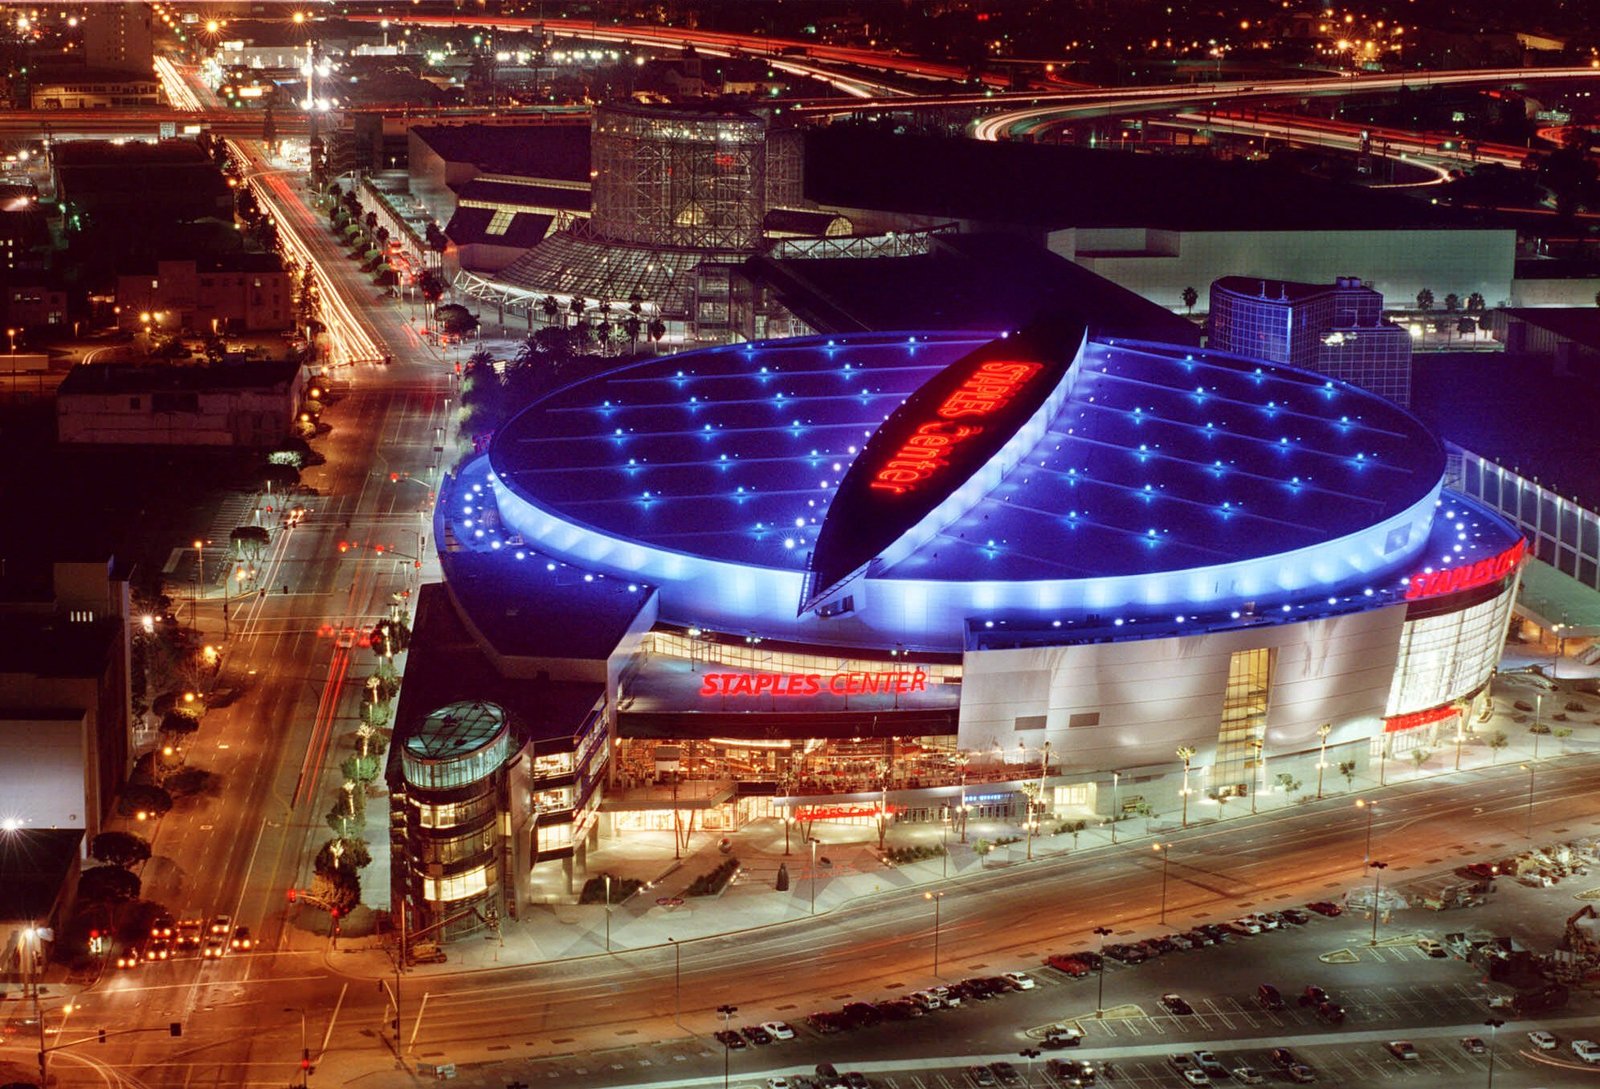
(677,982)
(1322,754)
(305,1052)
(1538,724)
(1116,810)
(935,897)
(727,1013)
(944,844)
(813,841)
(1186,753)
(1029,1053)
(1493,1025)
(1371,808)
(199,574)
(961,761)
(1377,876)
(1257,744)
(1165,851)
(1102,932)
(608,912)
(1529,768)
(788,823)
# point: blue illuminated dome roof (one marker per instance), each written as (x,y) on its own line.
(1155,474)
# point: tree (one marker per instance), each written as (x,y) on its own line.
(108,884)
(1466,326)
(382,235)
(551,308)
(1347,768)
(142,800)
(370,220)
(1425,300)
(632,326)
(1419,757)
(250,542)
(1496,741)
(119,849)
(341,854)
(657,329)
(179,722)
(437,240)
(455,319)
(1190,296)
(482,357)
(1475,303)
(1452,303)
(339,892)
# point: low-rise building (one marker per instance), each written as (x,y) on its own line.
(233,293)
(77,87)
(251,404)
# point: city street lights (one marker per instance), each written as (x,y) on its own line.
(788,823)
(1257,745)
(1538,721)
(1529,768)
(1377,876)
(1371,808)
(1186,754)
(961,762)
(1322,754)
(1493,1025)
(608,912)
(935,897)
(199,576)
(1165,851)
(1029,1053)
(677,982)
(305,1052)
(1116,810)
(1102,932)
(944,844)
(727,1013)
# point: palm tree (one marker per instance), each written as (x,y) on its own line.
(551,308)
(480,358)
(657,329)
(632,326)
(527,352)
(1425,300)
(1190,296)
(1186,753)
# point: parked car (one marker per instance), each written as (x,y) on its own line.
(1269,997)
(1062,1037)
(730,1040)
(861,1015)
(1151,947)
(1180,1062)
(1072,966)
(825,1022)
(899,1009)
(1587,1050)
(1200,938)
(1272,920)
(1432,948)
(855,1079)
(756,1035)
(778,1030)
(1127,954)
(1543,1040)
(981,1076)
(1326,907)
(1207,1061)
(1301,1074)
(1473,1045)
(1174,1003)
(1093,960)
(1331,1012)
(1313,995)
(1020,980)
(1246,1075)
(1283,1058)
(1006,1073)
(778,1083)
(1072,1072)
(945,995)
(1181,941)
(1404,1050)
(1295,916)
(1193,1076)
(926,999)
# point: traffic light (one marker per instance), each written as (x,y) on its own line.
(344,546)
(294,894)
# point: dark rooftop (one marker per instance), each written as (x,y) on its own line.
(989,282)
(1284,291)
(535,151)
(510,194)
(236,261)
(1053,187)
(34,862)
(88,378)
(523,229)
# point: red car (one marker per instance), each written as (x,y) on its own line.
(1326,907)
(1070,965)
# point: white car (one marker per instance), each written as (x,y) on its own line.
(926,999)
(1543,1040)
(1587,1050)
(943,995)
(1196,1077)
(777,1083)
(778,1030)
(1021,980)
(1247,1075)
(1248,925)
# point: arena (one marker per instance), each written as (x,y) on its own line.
(925,577)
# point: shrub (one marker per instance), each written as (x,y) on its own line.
(119,849)
(594,889)
(137,798)
(109,883)
(709,884)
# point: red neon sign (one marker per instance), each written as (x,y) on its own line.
(1465,577)
(840,812)
(1396,723)
(887,682)
(927,450)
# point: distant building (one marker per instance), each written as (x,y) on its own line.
(1335,329)
(118,35)
(233,293)
(253,404)
(33,305)
(80,87)
(65,696)
(139,184)
(38,881)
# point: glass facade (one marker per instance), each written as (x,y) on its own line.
(1450,655)
(1244,720)
(1561,533)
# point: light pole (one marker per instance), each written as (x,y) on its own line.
(1185,753)
(788,823)
(1029,1053)
(944,845)
(199,574)
(1102,932)
(935,897)
(1529,768)
(608,912)
(1377,876)
(1116,809)
(1371,808)
(1538,723)
(1493,1025)
(1322,754)
(727,1013)
(305,1052)
(12,333)
(1461,736)
(1165,851)
(1257,745)
(961,762)
(677,982)
(812,840)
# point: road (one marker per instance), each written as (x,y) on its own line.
(237,1033)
